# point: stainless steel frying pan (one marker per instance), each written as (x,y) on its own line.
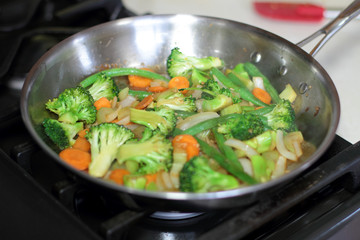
(147,40)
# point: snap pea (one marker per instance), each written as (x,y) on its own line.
(224,162)
(207,124)
(240,88)
(225,149)
(139,94)
(262,111)
(183,114)
(117,72)
(253,71)
(230,165)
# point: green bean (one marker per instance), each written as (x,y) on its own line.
(253,71)
(117,72)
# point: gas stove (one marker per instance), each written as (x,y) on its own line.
(41,200)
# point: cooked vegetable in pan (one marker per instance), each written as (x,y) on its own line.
(204,128)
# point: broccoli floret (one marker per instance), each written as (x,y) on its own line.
(104,86)
(72,105)
(244,127)
(146,134)
(175,100)
(178,64)
(282,117)
(105,139)
(214,97)
(62,134)
(152,155)
(198,77)
(218,103)
(179,103)
(161,118)
(227,92)
(198,176)
(211,89)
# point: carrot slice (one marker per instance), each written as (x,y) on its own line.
(187,142)
(262,95)
(82,144)
(76,158)
(117,175)
(145,102)
(179,82)
(151,178)
(83,132)
(157,89)
(102,102)
(138,81)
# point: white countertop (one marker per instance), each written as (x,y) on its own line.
(340,57)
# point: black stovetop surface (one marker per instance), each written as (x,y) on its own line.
(34,203)
(40,200)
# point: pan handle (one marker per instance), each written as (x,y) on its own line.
(332,27)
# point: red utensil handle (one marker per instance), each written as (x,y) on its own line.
(290,11)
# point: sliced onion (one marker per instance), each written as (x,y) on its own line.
(206,137)
(235,143)
(197,94)
(174,174)
(128,101)
(155,84)
(123,93)
(297,149)
(195,119)
(159,184)
(132,127)
(111,116)
(175,179)
(280,167)
(124,121)
(280,146)
(293,142)
(166,180)
(198,104)
(247,166)
(113,102)
(158,83)
(258,83)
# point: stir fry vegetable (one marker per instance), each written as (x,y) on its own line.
(201,128)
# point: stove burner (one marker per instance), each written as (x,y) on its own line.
(175,215)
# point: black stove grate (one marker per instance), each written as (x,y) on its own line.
(274,215)
(32,28)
